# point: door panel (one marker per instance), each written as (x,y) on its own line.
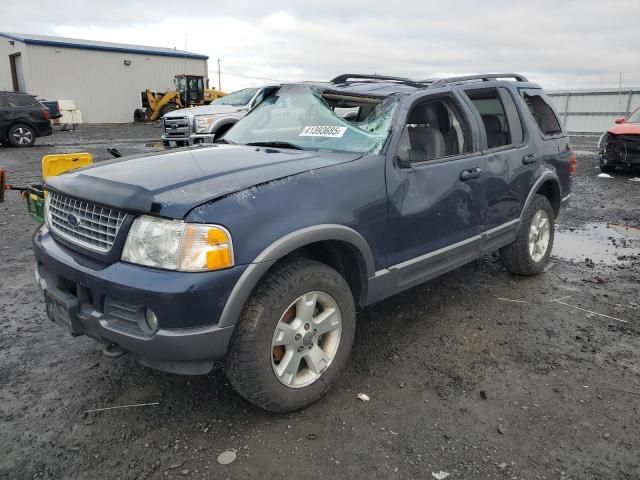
(510,160)
(6,116)
(439,201)
(508,180)
(431,207)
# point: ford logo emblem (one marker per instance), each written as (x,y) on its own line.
(73,220)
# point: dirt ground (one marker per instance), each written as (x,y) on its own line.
(479,374)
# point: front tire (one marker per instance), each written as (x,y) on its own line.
(607,168)
(21,135)
(293,338)
(530,252)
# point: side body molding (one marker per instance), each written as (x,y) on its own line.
(278,249)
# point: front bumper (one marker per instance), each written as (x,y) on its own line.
(619,160)
(620,149)
(171,141)
(110,300)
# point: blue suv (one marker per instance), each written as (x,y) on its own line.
(327,197)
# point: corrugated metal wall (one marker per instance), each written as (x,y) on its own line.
(104,88)
(594,111)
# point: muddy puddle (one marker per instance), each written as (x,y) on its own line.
(602,243)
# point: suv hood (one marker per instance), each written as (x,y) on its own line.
(171,184)
(206,110)
(625,129)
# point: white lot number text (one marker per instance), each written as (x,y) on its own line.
(323,131)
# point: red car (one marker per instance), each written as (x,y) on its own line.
(620,145)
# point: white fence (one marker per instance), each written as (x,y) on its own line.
(594,111)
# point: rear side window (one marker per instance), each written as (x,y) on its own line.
(21,101)
(543,114)
(3,101)
(499,116)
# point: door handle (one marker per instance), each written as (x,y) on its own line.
(470,174)
(531,158)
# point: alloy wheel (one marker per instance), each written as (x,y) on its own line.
(539,234)
(306,339)
(23,136)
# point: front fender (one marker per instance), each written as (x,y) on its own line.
(344,202)
(280,248)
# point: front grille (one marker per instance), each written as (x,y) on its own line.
(623,148)
(176,127)
(84,223)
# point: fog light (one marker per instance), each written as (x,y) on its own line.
(151,320)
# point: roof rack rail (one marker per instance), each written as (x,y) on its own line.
(357,76)
(485,78)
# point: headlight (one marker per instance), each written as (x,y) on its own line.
(203,123)
(176,245)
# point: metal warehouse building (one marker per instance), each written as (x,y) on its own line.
(593,111)
(104,79)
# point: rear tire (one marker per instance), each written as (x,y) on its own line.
(21,135)
(530,252)
(288,306)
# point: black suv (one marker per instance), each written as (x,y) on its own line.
(22,119)
(325,198)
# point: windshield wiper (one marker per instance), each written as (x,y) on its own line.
(275,144)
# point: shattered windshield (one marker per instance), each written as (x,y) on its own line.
(302,117)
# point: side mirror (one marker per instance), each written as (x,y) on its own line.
(619,120)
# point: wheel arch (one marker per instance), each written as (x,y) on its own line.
(22,121)
(547,185)
(340,247)
(223,123)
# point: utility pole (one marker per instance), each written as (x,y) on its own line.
(620,95)
(219,81)
(185,53)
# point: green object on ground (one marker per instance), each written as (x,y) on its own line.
(34,200)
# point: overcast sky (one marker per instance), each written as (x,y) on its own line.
(560,44)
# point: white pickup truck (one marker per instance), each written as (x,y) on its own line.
(190,126)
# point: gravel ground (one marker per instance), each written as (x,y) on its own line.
(477,374)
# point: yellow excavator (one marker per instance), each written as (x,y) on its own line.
(189,92)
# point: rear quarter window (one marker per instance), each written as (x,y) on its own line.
(22,101)
(542,113)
